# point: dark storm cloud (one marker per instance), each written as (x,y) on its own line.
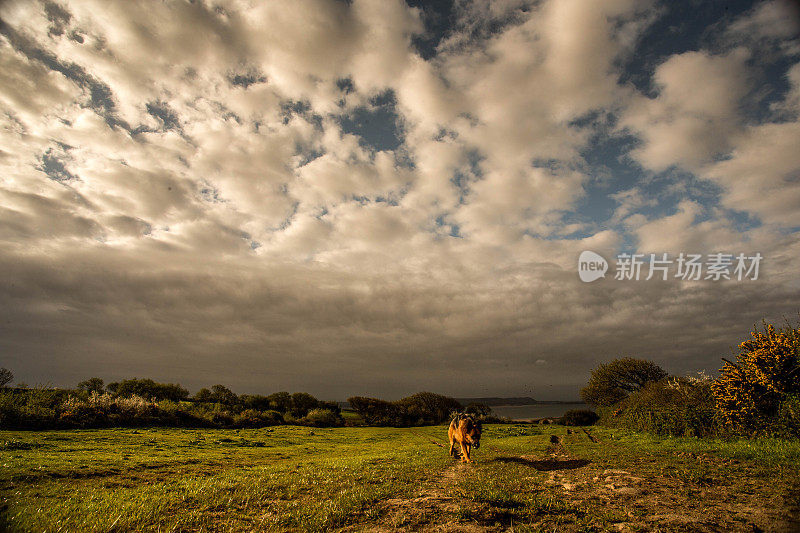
(380,198)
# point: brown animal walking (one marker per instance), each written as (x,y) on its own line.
(467,433)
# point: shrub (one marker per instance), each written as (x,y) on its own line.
(428,408)
(6,376)
(302,403)
(10,409)
(750,392)
(217,394)
(612,382)
(147,388)
(280,401)
(91,385)
(480,410)
(675,406)
(788,420)
(222,419)
(376,412)
(579,417)
(251,418)
(255,401)
(423,408)
(324,418)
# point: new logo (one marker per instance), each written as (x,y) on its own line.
(591,266)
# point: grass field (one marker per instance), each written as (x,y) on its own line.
(353,479)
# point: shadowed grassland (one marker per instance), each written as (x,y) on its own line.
(353,479)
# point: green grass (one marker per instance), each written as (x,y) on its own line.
(302,479)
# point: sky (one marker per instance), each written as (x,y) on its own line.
(379,198)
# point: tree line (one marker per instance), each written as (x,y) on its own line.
(145,402)
(423,408)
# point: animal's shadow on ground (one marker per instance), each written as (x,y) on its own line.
(545,465)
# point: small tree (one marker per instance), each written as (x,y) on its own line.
(92,385)
(613,382)
(6,376)
(223,395)
(478,409)
(203,395)
(280,401)
(302,403)
(749,392)
(147,388)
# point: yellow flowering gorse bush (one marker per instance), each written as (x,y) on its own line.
(749,392)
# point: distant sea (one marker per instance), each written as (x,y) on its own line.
(526,412)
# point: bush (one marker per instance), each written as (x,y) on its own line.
(324,418)
(787,424)
(423,408)
(302,403)
(222,419)
(280,401)
(675,406)
(6,376)
(147,388)
(426,408)
(91,385)
(751,391)
(579,417)
(612,382)
(35,408)
(251,418)
(376,412)
(480,410)
(217,394)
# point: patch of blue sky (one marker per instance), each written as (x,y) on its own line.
(287,221)
(453,230)
(743,221)
(612,171)
(390,200)
(306,155)
(291,108)
(462,180)
(770,90)
(54,168)
(673,32)
(376,125)
(211,194)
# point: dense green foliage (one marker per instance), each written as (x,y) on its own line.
(148,389)
(423,408)
(146,403)
(674,406)
(757,395)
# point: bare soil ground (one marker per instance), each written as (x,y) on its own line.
(712,494)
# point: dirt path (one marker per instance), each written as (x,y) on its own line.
(725,498)
(635,494)
(434,506)
(430,507)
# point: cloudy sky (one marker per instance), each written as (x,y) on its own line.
(378,198)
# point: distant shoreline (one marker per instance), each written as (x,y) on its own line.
(514,401)
(536,403)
